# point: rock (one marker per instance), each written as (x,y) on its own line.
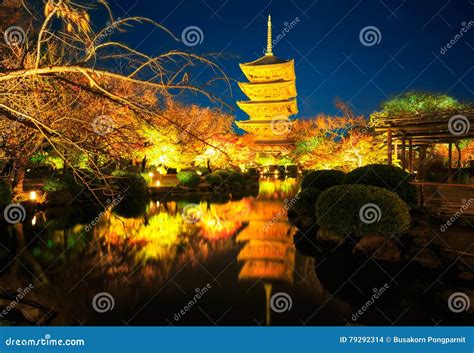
(329,237)
(379,247)
(467,278)
(425,257)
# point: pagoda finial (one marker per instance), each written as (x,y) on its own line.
(269,36)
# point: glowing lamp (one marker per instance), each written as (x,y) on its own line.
(33,195)
(158,183)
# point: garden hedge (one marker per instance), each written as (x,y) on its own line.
(385,176)
(214,179)
(323,179)
(133,184)
(188,178)
(362,210)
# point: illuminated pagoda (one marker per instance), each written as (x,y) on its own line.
(272,100)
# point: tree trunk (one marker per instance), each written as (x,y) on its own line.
(19,179)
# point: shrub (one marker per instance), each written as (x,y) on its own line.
(188,178)
(223,173)
(214,179)
(322,179)
(385,176)
(253,172)
(5,192)
(235,177)
(62,182)
(133,184)
(305,203)
(362,210)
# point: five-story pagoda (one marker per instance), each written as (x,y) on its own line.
(272,94)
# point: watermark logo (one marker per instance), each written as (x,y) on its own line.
(465,27)
(370,36)
(458,125)
(370,213)
(14,36)
(280,125)
(21,294)
(281,302)
(103,302)
(465,205)
(377,293)
(14,213)
(200,292)
(288,26)
(458,302)
(103,125)
(192,36)
(191,213)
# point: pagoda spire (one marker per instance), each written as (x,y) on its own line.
(269,36)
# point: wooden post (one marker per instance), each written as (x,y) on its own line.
(404,165)
(450,161)
(410,156)
(389,146)
(421,160)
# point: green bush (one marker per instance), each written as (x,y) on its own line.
(223,173)
(188,178)
(323,179)
(5,192)
(361,210)
(385,176)
(62,182)
(305,203)
(214,179)
(253,172)
(235,177)
(131,183)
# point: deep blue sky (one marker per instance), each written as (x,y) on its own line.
(330,59)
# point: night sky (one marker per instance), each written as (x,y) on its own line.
(331,62)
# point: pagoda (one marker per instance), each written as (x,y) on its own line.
(272,100)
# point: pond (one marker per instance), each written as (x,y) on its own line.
(199,261)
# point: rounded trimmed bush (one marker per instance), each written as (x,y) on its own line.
(5,192)
(253,172)
(214,179)
(385,176)
(188,178)
(223,173)
(304,205)
(361,210)
(323,179)
(133,184)
(236,177)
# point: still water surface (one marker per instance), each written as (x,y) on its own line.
(235,263)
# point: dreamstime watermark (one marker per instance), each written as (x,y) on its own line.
(376,295)
(46,341)
(192,36)
(280,125)
(14,213)
(458,302)
(106,32)
(21,294)
(200,292)
(191,213)
(103,125)
(370,213)
(287,28)
(370,36)
(103,302)
(108,206)
(281,302)
(14,36)
(465,205)
(466,26)
(287,204)
(459,125)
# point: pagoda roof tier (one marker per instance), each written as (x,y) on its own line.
(279,90)
(269,109)
(276,69)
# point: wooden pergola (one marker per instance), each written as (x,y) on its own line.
(415,132)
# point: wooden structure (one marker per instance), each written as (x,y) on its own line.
(410,134)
